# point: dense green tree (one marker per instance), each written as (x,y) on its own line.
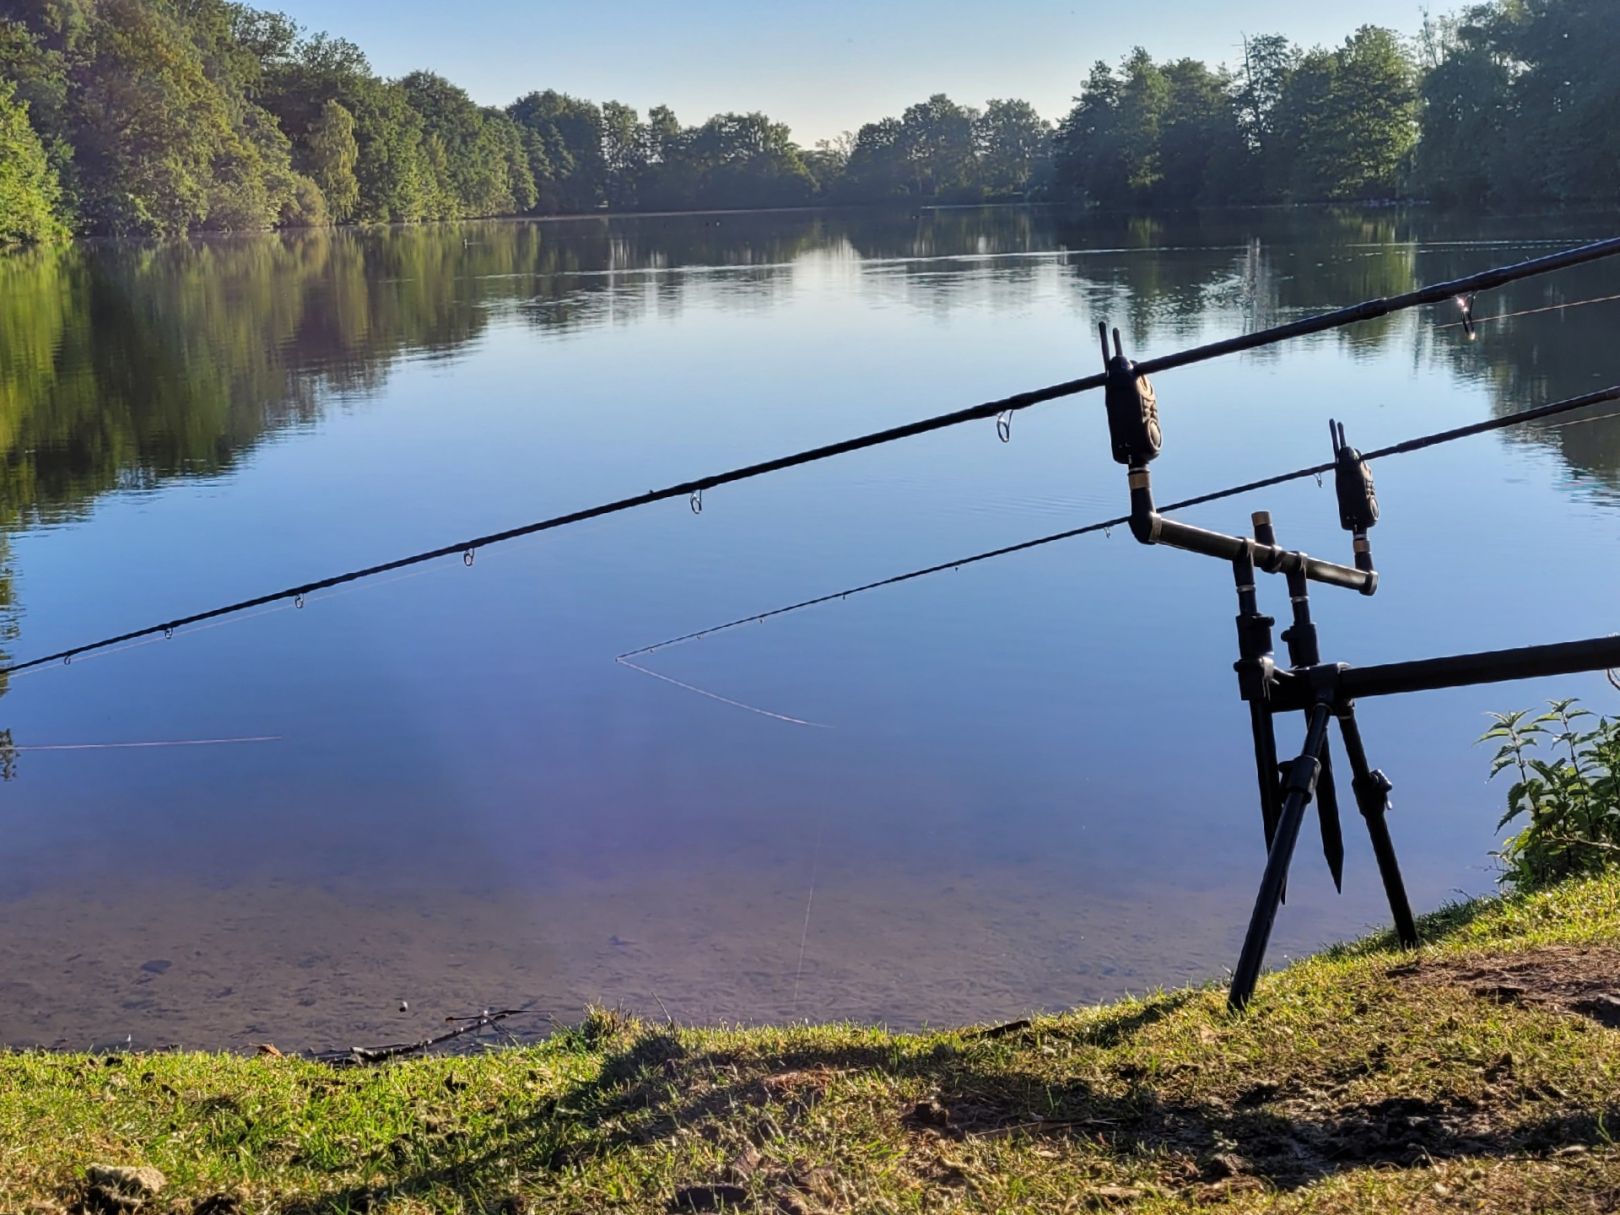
(391,168)
(296,88)
(39,75)
(61,25)
(746,160)
(1329,124)
(937,144)
(523,173)
(625,154)
(160,144)
(468,156)
(29,191)
(671,178)
(1144,98)
(1346,122)
(938,150)
(330,156)
(1203,157)
(1561,143)
(570,130)
(876,169)
(1109,144)
(300,79)
(1088,165)
(1268,61)
(1467,107)
(828,160)
(1013,145)
(663,134)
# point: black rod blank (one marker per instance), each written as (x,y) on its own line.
(1491,666)
(1372,309)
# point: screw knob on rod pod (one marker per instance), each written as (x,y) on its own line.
(1133,408)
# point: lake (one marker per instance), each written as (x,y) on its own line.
(1027,783)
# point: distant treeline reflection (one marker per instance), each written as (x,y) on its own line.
(121,367)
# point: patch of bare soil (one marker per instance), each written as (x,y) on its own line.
(1583,980)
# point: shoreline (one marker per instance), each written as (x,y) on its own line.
(1477,1073)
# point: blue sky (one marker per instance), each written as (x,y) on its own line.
(821,69)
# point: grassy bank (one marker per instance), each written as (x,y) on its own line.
(1480,1074)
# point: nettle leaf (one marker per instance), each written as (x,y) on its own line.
(1572,800)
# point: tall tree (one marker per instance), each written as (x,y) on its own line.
(162,145)
(1347,118)
(1144,98)
(1013,145)
(828,160)
(937,142)
(571,132)
(1109,143)
(469,164)
(1268,61)
(1203,157)
(331,156)
(29,191)
(1565,95)
(1089,166)
(746,160)
(625,154)
(1467,109)
(876,169)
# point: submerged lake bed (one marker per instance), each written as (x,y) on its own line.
(1028,782)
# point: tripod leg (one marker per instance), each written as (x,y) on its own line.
(1327,810)
(1303,652)
(1372,797)
(1301,786)
(1265,762)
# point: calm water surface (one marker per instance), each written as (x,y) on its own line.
(1033,788)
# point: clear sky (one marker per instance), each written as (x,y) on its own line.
(820,68)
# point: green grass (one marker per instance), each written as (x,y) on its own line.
(1356,1082)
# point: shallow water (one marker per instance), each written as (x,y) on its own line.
(1034,788)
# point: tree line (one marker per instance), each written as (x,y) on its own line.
(152,117)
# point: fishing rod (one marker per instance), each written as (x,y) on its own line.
(1453,289)
(1406,446)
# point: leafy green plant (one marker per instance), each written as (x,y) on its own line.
(1567,761)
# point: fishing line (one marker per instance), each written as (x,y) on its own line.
(1419,443)
(1504,316)
(1364,311)
(134,746)
(809,901)
(1602,417)
(725,700)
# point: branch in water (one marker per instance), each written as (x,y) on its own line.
(360,1056)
